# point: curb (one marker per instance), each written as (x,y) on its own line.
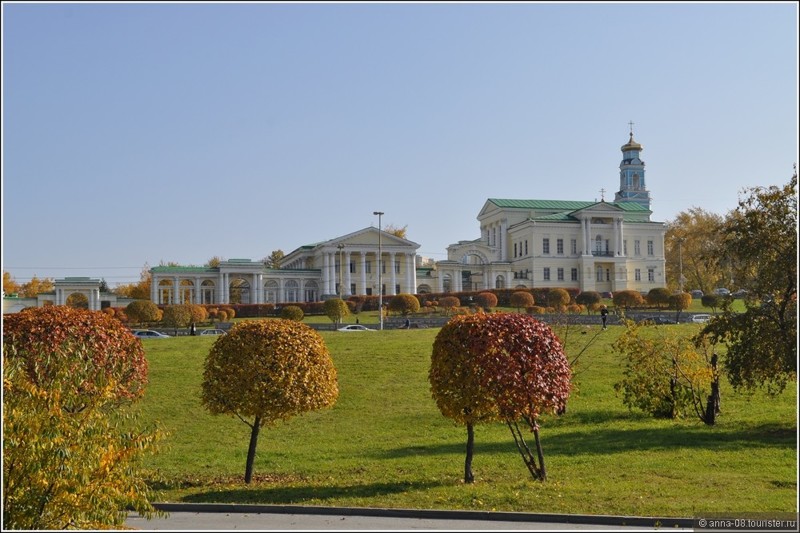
(601,520)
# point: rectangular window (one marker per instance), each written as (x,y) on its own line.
(352,268)
(574,274)
(625,247)
(397,267)
(599,274)
(547,273)
(638,274)
(352,288)
(574,246)
(651,274)
(560,246)
(650,248)
(560,274)
(526,247)
(515,249)
(545,245)
(637,250)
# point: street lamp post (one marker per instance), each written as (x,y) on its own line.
(380,256)
(680,264)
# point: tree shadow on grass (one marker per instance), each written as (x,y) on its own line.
(606,439)
(305,493)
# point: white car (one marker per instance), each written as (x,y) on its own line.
(701,319)
(212,332)
(150,334)
(355,327)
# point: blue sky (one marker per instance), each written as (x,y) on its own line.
(140,133)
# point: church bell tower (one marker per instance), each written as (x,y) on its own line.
(632,186)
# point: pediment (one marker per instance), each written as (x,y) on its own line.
(597,209)
(369,237)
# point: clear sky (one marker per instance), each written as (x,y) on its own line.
(138,133)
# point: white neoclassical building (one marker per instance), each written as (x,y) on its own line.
(308,274)
(586,245)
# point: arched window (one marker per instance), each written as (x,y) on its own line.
(207,292)
(291,291)
(271,291)
(312,291)
(239,291)
(165,292)
(500,282)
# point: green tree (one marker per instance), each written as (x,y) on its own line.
(268,370)
(336,309)
(759,241)
(71,452)
(691,246)
(712,300)
(404,304)
(142,311)
(521,299)
(486,300)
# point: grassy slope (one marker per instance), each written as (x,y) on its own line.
(385,444)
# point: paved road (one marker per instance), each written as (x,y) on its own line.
(226,518)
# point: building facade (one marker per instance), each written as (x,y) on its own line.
(588,245)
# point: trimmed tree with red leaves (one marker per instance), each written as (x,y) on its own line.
(502,366)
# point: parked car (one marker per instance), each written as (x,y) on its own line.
(697,293)
(150,334)
(722,291)
(212,332)
(741,293)
(607,295)
(355,327)
(701,319)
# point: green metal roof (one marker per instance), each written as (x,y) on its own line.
(176,269)
(561,205)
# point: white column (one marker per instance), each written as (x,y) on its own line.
(347,281)
(176,290)
(393,290)
(325,279)
(153,289)
(332,271)
(503,239)
(363,273)
(621,237)
(411,270)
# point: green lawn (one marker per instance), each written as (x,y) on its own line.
(385,444)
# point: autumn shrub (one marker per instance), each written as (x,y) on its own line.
(536,310)
(199,314)
(666,375)
(486,300)
(658,297)
(575,309)
(292,312)
(70,453)
(177,316)
(591,299)
(404,304)
(265,371)
(336,310)
(448,303)
(627,299)
(520,299)
(558,299)
(142,311)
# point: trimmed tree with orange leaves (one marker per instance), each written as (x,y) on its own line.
(502,366)
(265,371)
(71,457)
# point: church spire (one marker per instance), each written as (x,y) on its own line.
(632,186)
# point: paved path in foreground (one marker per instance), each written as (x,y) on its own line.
(238,517)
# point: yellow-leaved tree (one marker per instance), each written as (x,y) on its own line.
(268,370)
(71,452)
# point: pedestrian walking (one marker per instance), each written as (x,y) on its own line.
(604,315)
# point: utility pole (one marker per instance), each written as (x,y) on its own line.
(380,256)
(680,263)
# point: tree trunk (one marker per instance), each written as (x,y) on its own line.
(542,469)
(469,477)
(251,450)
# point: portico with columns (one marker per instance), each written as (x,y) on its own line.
(344,266)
